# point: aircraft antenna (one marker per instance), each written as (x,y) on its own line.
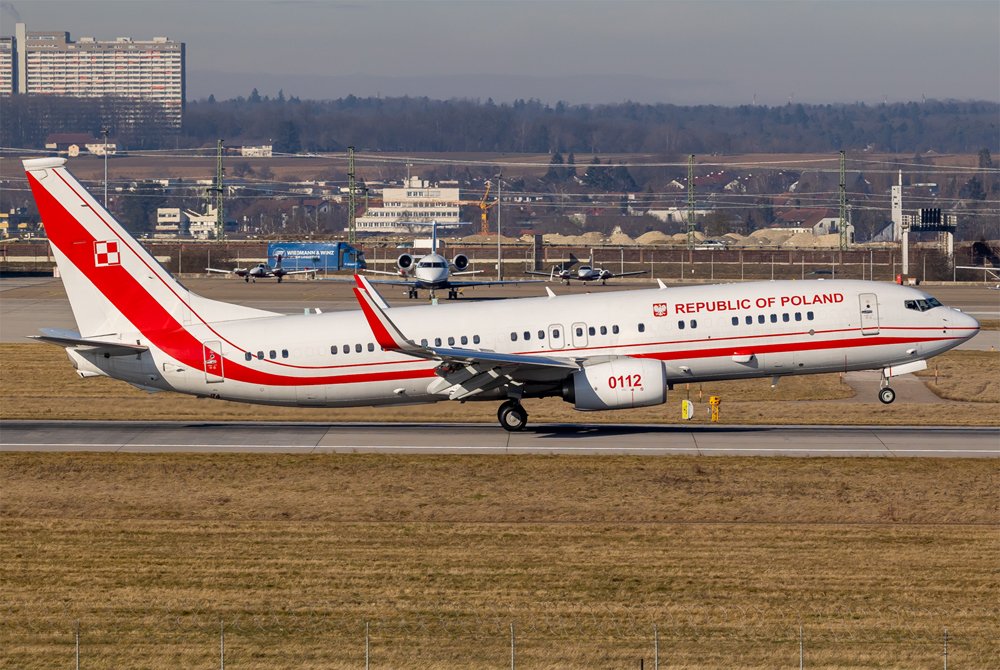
(352,226)
(842,226)
(690,212)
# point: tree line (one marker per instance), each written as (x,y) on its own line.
(523,126)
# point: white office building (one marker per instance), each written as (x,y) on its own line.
(415,206)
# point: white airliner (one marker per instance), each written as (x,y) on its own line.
(433,272)
(584,273)
(597,351)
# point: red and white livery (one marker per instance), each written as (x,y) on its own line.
(597,351)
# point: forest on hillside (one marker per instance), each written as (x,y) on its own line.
(524,126)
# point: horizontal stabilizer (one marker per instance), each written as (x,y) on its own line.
(70,338)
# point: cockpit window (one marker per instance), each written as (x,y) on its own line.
(922,305)
(430,264)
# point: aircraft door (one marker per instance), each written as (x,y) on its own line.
(869,313)
(212,356)
(556,337)
(579,334)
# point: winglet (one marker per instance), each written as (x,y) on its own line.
(366,285)
(385,331)
(660,282)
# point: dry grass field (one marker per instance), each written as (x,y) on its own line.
(293,554)
(38,382)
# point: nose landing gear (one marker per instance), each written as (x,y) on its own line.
(512,416)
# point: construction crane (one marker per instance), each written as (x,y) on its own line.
(484,227)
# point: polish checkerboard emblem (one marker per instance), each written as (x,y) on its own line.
(106,254)
(660,309)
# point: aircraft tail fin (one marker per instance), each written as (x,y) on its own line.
(113,284)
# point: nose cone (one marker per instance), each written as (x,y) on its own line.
(964,325)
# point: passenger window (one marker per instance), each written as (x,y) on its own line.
(541,334)
(248,356)
(760,318)
(475,339)
(680,324)
(451,341)
(736,320)
(273,354)
(614,330)
(798,316)
(284,353)
(694,323)
(749,319)
(371,346)
(592,330)
(642,328)
(423,342)
(513,337)
(604,330)
(809,315)
(465,339)
(527,335)
(437,341)
(260,355)
(357,348)
(346,348)
(784,317)
(774,318)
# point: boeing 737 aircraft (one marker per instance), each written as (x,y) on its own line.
(433,272)
(596,351)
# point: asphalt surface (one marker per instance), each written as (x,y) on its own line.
(594,439)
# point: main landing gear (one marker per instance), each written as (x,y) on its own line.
(885,394)
(512,416)
(411,293)
(453,294)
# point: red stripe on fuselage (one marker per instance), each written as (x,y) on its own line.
(148,315)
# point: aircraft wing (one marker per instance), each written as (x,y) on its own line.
(495,282)
(463,372)
(225,272)
(300,272)
(70,338)
(629,274)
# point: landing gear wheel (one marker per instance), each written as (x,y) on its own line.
(452,294)
(512,416)
(412,294)
(886,395)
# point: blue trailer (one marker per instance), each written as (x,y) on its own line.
(320,256)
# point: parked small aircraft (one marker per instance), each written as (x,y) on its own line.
(596,351)
(433,272)
(584,273)
(262,271)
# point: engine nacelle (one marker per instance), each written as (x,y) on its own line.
(618,384)
(404,262)
(460,262)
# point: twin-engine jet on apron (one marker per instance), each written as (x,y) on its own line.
(596,351)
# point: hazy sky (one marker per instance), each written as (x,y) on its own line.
(713,51)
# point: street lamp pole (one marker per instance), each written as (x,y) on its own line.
(104,131)
(499,257)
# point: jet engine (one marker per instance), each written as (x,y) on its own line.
(621,383)
(460,262)
(404,262)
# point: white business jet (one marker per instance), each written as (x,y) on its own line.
(596,351)
(434,272)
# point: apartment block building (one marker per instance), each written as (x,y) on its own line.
(50,63)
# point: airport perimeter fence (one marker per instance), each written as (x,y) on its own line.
(315,639)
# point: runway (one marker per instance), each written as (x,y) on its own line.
(582,440)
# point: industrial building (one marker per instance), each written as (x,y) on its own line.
(50,63)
